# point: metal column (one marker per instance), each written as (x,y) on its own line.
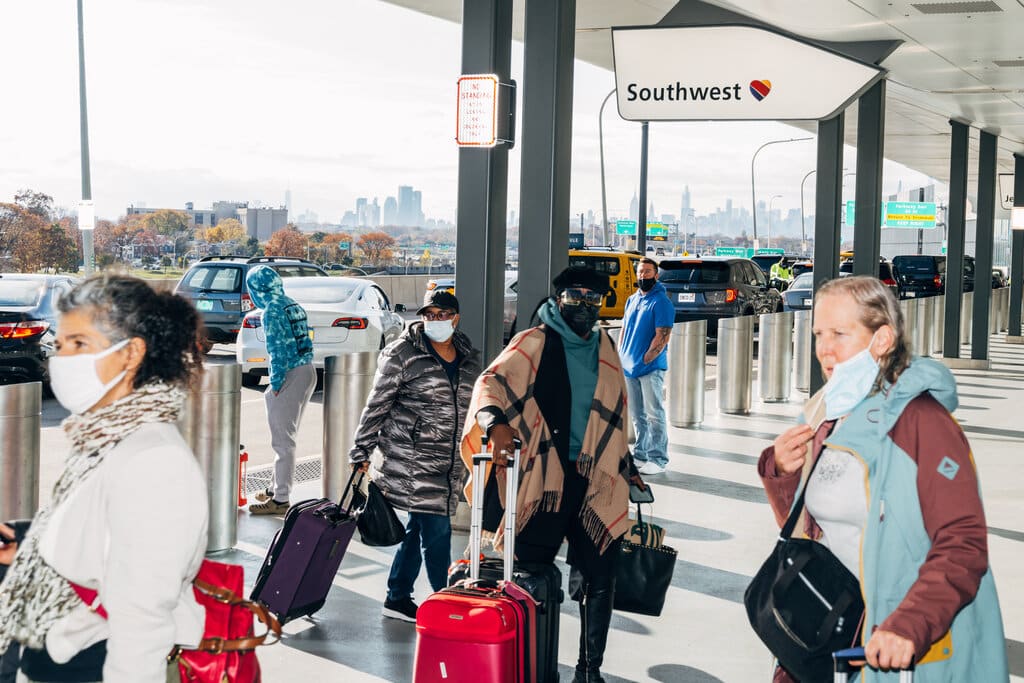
(867,231)
(348,379)
(983,244)
(735,364)
(828,211)
(775,356)
(955,225)
(938,323)
(549,43)
(641,221)
(1016,255)
(21,407)
(687,358)
(210,425)
(802,350)
(483,186)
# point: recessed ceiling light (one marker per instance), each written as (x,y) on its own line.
(957,7)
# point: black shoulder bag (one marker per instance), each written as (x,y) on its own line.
(804,604)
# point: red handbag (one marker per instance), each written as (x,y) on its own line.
(226,653)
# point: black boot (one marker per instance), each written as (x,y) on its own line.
(595,618)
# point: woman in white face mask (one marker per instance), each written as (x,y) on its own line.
(892,491)
(127,516)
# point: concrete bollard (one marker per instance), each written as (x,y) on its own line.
(802,350)
(687,357)
(21,407)
(735,363)
(210,424)
(775,356)
(348,379)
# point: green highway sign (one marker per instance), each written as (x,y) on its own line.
(625,227)
(850,206)
(344,245)
(743,252)
(657,232)
(909,215)
(769,252)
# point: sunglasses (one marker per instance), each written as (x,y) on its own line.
(574,297)
(440,315)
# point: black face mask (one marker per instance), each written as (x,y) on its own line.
(579,317)
(646,284)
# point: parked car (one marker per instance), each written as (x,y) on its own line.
(445,284)
(511,296)
(801,267)
(216,287)
(619,266)
(925,275)
(886,273)
(28,323)
(800,294)
(998,279)
(713,288)
(345,315)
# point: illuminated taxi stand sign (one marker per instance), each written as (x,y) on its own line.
(731,72)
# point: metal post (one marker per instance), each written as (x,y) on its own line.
(21,407)
(775,356)
(993,310)
(641,223)
(735,363)
(753,193)
(955,225)
(867,232)
(348,379)
(909,307)
(802,350)
(1013,333)
(83,121)
(966,316)
(600,139)
(938,323)
(803,215)
(687,356)
(210,424)
(923,330)
(981,326)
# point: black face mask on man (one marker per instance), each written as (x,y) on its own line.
(646,284)
(579,317)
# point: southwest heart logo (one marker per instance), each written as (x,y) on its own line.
(760,89)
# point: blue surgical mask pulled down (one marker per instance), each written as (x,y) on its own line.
(850,383)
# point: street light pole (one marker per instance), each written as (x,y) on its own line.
(773,198)
(604,198)
(753,195)
(86,210)
(803,222)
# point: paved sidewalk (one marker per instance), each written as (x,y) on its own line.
(715,513)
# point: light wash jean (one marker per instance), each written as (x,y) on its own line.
(647,409)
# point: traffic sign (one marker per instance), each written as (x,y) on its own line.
(625,227)
(909,215)
(344,245)
(476,122)
(575,240)
(770,252)
(657,232)
(742,252)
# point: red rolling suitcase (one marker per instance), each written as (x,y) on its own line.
(480,630)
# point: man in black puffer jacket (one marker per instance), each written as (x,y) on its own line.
(414,416)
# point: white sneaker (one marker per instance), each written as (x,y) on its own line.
(651,468)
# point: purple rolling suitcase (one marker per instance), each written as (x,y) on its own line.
(303,558)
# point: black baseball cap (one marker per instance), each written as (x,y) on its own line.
(581,276)
(439,298)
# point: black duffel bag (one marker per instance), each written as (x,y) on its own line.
(804,604)
(376,520)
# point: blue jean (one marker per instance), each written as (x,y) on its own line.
(647,409)
(434,534)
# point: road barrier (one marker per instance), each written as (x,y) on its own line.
(348,379)
(687,358)
(938,323)
(775,356)
(21,407)
(966,317)
(735,363)
(802,350)
(210,424)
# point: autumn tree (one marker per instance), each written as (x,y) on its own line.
(374,245)
(228,230)
(287,241)
(35,203)
(332,251)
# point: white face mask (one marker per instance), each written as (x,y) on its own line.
(850,383)
(75,383)
(438,330)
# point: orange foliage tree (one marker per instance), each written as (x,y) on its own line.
(287,241)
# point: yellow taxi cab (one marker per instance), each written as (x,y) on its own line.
(619,266)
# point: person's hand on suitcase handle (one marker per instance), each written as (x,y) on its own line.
(502,439)
(887,650)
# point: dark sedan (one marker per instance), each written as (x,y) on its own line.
(28,323)
(799,296)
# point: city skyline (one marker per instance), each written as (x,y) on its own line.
(275,105)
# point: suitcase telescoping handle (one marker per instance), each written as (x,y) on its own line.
(480,461)
(856,654)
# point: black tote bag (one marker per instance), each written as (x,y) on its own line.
(643,573)
(376,520)
(804,604)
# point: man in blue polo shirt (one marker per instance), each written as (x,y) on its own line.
(646,326)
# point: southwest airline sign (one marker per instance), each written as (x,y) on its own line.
(730,73)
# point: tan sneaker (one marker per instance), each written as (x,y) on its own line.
(264,495)
(270,507)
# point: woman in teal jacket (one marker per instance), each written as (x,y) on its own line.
(895,495)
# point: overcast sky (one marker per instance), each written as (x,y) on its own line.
(200,100)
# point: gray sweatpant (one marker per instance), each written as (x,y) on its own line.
(284,412)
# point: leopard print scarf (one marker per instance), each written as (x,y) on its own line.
(33,596)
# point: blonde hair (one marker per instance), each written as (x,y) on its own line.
(876,306)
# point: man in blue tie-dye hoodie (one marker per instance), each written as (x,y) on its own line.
(292,380)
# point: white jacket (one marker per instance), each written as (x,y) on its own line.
(135,530)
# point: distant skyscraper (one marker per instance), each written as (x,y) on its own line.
(390,216)
(288,200)
(405,205)
(634,208)
(417,208)
(361,205)
(685,206)
(373,214)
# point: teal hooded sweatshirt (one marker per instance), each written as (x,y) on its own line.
(284,324)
